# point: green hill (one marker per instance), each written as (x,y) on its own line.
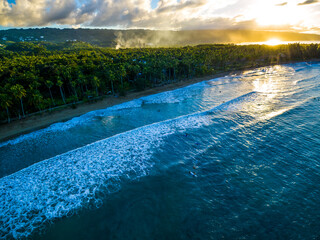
(146,38)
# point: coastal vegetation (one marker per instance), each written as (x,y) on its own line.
(41,76)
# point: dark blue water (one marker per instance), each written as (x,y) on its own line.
(232,158)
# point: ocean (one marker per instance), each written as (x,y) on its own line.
(235,157)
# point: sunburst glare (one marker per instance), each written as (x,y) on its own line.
(273,42)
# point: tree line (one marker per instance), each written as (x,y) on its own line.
(34,78)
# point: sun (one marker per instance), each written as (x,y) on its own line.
(273,42)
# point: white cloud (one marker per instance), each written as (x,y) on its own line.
(169,14)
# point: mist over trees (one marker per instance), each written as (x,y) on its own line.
(146,38)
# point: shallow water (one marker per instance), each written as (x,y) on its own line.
(253,142)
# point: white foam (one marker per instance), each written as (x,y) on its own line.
(235,104)
(62,185)
(174,96)
(131,104)
(308,79)
(63,126)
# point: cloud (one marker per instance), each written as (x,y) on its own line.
(23,13)
(59,10)
(216,23)
(163,5)
(282,4)
(119,13)
(123,14)
(169,14)
(308,2)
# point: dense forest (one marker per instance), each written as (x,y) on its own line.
(38,77)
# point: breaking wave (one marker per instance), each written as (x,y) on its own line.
(60,186)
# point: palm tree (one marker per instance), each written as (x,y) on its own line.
(73,85)
(109,73)
(122,73)
(19,92)
(96,83)
(49,85)
(5,101)
(112,78)
(36,99)
(59,84)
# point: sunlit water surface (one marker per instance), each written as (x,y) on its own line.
(236,157)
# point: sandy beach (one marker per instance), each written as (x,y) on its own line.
(33,123)
(36,122)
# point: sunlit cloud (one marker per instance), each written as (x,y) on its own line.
(163,14)
(282,4)
(173,6)
(308,2)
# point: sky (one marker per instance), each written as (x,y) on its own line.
(290,15)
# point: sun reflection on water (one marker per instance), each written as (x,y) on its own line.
(270,83)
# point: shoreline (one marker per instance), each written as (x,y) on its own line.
(41,121)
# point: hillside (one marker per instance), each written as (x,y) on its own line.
(146,38)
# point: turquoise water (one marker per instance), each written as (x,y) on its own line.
(235,158)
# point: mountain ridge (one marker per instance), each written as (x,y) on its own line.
(147,38)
